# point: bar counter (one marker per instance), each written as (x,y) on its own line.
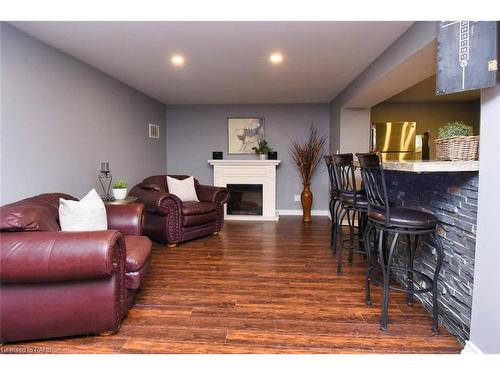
(449,190)
(434,166)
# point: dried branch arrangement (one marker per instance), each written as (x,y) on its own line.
(308,155)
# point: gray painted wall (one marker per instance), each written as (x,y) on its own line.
(334,129)
(60,118)
(485,326)
(194,131)
(355,130)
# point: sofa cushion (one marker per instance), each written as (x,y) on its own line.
(191,220)
(138,250)
(197,208)
(133,280)
(89,214)
(18,217)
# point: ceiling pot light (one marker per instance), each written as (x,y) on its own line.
(177,60)
(276,58)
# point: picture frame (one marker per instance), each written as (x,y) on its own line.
(243,133)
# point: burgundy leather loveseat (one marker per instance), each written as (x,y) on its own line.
(55,283)
(170,221)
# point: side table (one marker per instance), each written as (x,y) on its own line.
(127,200)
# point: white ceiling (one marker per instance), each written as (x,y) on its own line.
(226,62)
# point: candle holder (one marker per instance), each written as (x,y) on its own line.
(105,178)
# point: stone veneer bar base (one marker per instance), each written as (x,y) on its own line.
(452,197)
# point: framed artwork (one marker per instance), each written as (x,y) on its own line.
(243,134)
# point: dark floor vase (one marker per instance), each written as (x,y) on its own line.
(306,198)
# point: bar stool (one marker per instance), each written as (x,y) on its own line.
(334,203)
(353,205)
(386,219)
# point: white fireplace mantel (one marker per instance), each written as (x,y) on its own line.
(263,172)
(244,162)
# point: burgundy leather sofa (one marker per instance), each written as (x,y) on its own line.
(55,283)
(170,221)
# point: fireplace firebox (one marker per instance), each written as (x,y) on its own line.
(244,199)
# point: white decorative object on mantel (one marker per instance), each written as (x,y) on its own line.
(251,172)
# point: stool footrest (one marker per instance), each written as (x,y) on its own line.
(377,278)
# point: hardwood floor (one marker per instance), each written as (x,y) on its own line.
(260,287)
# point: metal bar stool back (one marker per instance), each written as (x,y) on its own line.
(334,203)
(353,205)
(344,174)
(374,182)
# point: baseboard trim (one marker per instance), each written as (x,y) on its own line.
(313,213)
(470,348)
(251,218)
(299,212)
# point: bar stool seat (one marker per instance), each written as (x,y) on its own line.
(403,217)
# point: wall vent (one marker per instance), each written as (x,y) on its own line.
(154,131)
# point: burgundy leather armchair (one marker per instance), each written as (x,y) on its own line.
(54,283)
(170,221)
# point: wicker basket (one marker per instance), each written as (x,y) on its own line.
(458,148)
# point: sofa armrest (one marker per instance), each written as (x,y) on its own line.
(214,194)
(127,218)
(33,257)
(155,201)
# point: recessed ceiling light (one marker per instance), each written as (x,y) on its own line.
(276,58)
(177,60)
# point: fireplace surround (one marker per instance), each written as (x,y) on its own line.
(230,172)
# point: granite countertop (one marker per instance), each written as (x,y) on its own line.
(426,166)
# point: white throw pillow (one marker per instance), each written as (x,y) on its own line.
(88,214)
(183,189)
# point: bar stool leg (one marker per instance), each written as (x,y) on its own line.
(383,326)
(364,221)
(350,220)
(387,275)
(362,227)
(366,239)
(330,207)
(337,209)
(435,307)
(341,241)
(410,262)
(332,216)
